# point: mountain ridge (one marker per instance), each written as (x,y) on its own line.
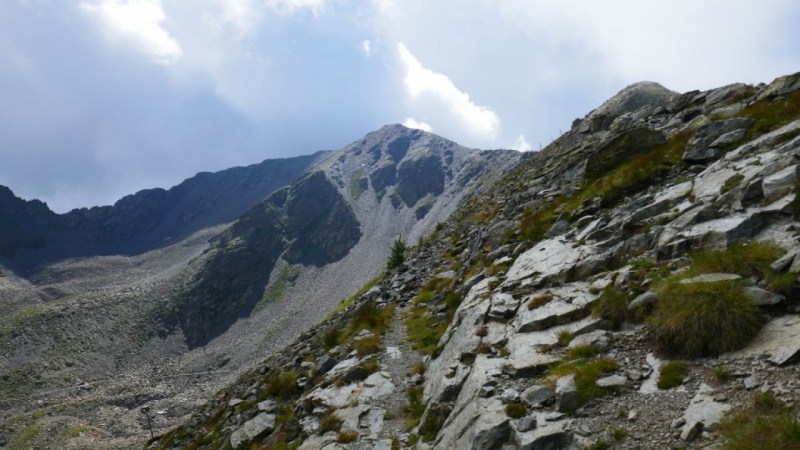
(518,322)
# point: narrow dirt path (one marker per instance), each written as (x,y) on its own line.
(397,360)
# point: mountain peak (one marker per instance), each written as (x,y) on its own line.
(634,97)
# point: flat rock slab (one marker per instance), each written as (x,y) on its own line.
(703,412)
(548,258)
(569,304)
(546,436)
(712,278)
(258,425)
(780,338)
(526,360)
(375,386)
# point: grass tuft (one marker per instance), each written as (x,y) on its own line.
(747,259)
(703,319)
(347,436)
(613,307)
(581,352)
(540,300)
(672,374)
(283,387)
(767,423)
(516,410)
(329,422)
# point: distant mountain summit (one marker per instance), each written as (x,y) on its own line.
(395,182)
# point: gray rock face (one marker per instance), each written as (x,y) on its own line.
(762,297)
(536,395)
(703,412)
(261,424)
(567,396)
(546,436)
(700,149)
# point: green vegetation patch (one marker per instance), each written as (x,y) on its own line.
(613,307)
(703,319)
(282,279)
(414,407)
(767,423)
(516,410)
(282,387)
(672,374)
(747,259)
(397,256)
(367,317)
(433,421)
(771,115)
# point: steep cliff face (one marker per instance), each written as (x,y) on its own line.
(32,234)
(306,223)
(545,312)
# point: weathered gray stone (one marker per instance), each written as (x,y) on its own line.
(447,275)
(783,263)
(468,317)
(691,431)
(570,303)
(546,436)
(720,233)
(781,86)
(762,297)
(325,363)
(599,339)
(712,278)
(703,412)
(780,183)
(567,396)
(267,405)
(779,338)
(509,395)
(642,300)
(612,381)
(491,434)
(729,138)
(765,141)
(261,424)
(527,423)
(699,148)
(537,395)
(525,359)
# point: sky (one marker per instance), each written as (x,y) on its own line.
(102,98)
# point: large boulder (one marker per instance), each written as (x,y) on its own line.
(259,425)
(700,148)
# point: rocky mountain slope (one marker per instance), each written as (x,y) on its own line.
(88,341)
(633,285)
(30,233)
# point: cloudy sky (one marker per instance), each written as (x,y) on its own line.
(100,98)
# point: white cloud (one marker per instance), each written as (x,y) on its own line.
(290,6)
(418,125)
(241,14)
(478,120)
(140,22)
(366,46)
(698,54)
(521,144)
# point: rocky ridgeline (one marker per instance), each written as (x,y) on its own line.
(537,317)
